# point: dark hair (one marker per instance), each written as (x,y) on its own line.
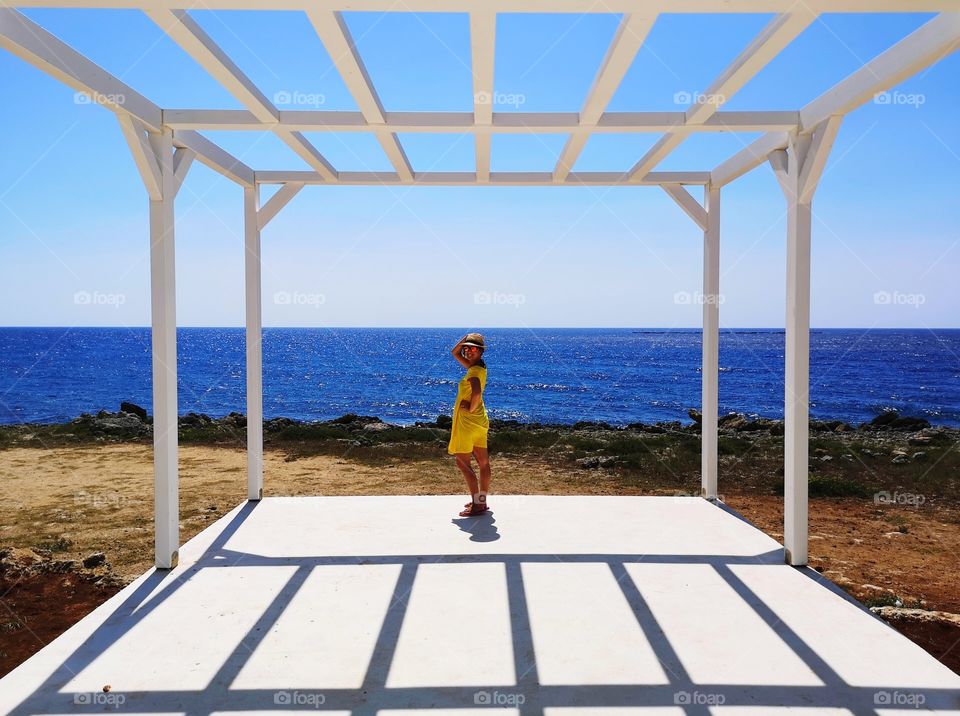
(480,363)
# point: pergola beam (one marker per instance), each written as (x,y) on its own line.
(531,6)
(917,51)
(779,33)
(501,123)
(210,154)
(483,31)
(31,43)
(923,47)
(333,32)
(627,41)
(188,34)
(498,178)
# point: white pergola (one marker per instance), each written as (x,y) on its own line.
(165,142)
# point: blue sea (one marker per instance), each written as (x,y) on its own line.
(403,375)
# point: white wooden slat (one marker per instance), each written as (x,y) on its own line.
(460,122)
(185,31)
(627,41)
(214,157)
(31,43)
(483,28)
(501,178)
(771,40)
(923,47)
(530,6)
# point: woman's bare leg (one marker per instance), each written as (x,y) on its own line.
(463,462)
(483,462)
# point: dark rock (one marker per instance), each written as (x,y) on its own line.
(95,560)
(444,421)
(884,419)
(354,419)
(591,425)
(892,420)
(234,420)
(279,423)
(133,409)
(695,415)
(117,424)
(907,423)
(641,427)
(595,461)
(194,420)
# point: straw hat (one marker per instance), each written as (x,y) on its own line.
(474,339)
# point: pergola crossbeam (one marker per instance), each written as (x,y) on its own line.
(335,35)
(924,46)
(500,178)
(533,6)
(31,43)
(187,33)
(501,122)
(483,31)
(627,41)
(779,33)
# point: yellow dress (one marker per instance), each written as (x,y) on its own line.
(469,430)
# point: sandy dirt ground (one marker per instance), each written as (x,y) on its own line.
(75,501)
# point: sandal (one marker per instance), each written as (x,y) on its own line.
(468,504)
(475,509)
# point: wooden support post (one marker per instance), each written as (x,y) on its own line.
(253,273)
(710,366)
(798,169)
(163,322)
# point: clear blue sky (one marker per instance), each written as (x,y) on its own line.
(73,211)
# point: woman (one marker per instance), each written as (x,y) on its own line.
(468,434)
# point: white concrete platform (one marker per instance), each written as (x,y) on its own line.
(562,606)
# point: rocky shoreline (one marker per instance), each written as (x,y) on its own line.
(132,422)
